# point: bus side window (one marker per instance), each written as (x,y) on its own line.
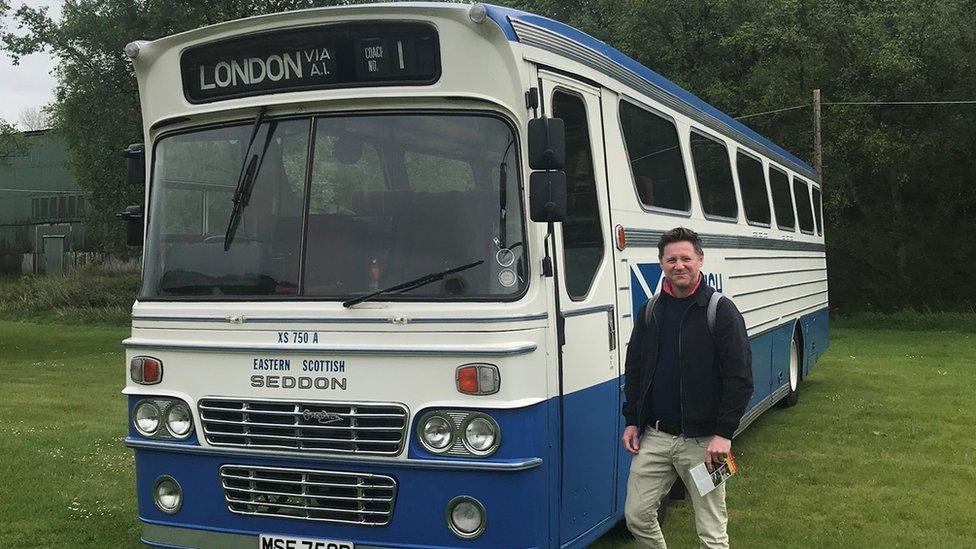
(818,209)
(714,175)
(801,197)
(655,158)
(779,184)
(582,235)
(755,198)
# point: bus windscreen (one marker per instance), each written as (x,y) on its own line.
(340,207)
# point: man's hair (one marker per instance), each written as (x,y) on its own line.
(680,234)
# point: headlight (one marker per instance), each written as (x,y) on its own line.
(466,517)
(480,434)
(167,495)
(179,420)
(146,418)
(437,432)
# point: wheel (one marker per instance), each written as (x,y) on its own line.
(791,397)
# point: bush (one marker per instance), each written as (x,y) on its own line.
(908,320)
(87,294)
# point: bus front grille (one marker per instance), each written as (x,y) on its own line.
(322,427)
(329,496)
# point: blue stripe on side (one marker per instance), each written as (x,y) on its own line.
(763,382)
(816,337)
(589,458)
(503,16)
(771,353)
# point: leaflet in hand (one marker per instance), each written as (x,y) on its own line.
(706,480)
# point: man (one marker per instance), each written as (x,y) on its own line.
(687,386)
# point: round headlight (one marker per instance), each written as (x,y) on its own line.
(168,495)
(481,435)
(179,421)
(146,418)
(437,433)
(466,517)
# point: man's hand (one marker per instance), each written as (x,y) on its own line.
(631,439)
(718,449)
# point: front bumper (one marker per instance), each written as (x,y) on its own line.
(159,535)
(513,492)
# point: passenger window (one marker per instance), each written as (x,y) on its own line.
(801,195)
(655,158)
(714,175)
(779,184)
(755,199)
(582,233)
(818,209)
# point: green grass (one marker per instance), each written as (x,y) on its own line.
(65,477)
(878,453)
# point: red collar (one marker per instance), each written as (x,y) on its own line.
(666,286)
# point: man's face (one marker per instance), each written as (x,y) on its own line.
(681,265)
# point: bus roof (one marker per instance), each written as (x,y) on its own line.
(534,30)
(512,21)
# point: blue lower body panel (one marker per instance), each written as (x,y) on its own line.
(511,500)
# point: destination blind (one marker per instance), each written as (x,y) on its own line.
(321,57)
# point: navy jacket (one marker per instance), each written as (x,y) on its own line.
(716,369)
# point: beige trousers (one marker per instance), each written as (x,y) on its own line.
(662,459)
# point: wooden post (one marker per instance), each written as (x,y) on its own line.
(817,143)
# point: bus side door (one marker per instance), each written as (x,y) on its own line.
(588,302)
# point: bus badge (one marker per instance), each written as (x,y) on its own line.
(325,418)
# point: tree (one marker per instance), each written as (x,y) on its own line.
(12,142)
(34,119)
(96,104)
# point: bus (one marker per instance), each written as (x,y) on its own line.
(392,257)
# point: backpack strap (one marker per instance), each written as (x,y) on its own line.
(711,313)
(713,310)
(649,307)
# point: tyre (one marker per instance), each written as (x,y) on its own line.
(794,373)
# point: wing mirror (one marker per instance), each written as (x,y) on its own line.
(135,163)
(547,196)
(547,151)
(547,144)
(134,220)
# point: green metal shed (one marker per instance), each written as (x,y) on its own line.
(42,208)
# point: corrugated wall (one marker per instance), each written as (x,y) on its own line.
(37,195)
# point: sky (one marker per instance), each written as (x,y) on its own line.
(29,84)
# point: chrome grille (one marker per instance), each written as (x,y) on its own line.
(458,448)
(325,427)
(330,496)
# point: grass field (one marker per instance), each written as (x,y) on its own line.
(878,453)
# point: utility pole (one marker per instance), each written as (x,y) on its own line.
(817,143)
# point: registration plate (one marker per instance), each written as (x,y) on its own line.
(281,542)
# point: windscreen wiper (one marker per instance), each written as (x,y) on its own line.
(503,198)
(411,284)
(249,172)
